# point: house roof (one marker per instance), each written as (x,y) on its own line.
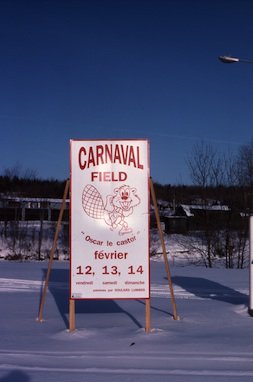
(189,208)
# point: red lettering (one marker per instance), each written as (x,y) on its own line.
(108,154)
(131,157)
(82,162)
(124,153)
(117,154)
(140,166)
(91,159)
(100,153)
(108,176)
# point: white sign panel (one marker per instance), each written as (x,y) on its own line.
(109,219)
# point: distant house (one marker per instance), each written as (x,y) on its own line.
(194,217)
(164,209)
(197,214)
(20,208)
(176,224)
(198,209)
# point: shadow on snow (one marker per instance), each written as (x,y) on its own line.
(15,376)
(208,289)
(60,294)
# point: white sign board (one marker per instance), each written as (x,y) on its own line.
(109,219)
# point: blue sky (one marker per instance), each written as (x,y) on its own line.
(123,69)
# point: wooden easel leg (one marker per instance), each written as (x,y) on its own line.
(72,325)
(148,315)
(58,227)
(166,263)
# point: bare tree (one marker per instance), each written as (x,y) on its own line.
(205,165)
(13,172)
(18,172)
(244,165)
(210,169)
(229,169)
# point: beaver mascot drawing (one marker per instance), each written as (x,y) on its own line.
(117,208)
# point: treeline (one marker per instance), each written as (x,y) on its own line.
(34,188)
(237,197)
(218,176)
(215,180)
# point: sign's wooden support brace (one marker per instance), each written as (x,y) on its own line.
(166,262)
(72,302)
(72,324)
(51,258)
(148,316)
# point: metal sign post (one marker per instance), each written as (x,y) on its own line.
(250,310)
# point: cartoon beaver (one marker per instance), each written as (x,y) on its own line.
(117,207)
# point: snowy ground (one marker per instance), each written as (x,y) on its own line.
(213,341)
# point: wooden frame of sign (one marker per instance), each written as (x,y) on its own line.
(52,252)
(72,301)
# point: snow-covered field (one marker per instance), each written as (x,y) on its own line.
(213,340)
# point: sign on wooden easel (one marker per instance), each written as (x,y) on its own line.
(109,219)
(124,266)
